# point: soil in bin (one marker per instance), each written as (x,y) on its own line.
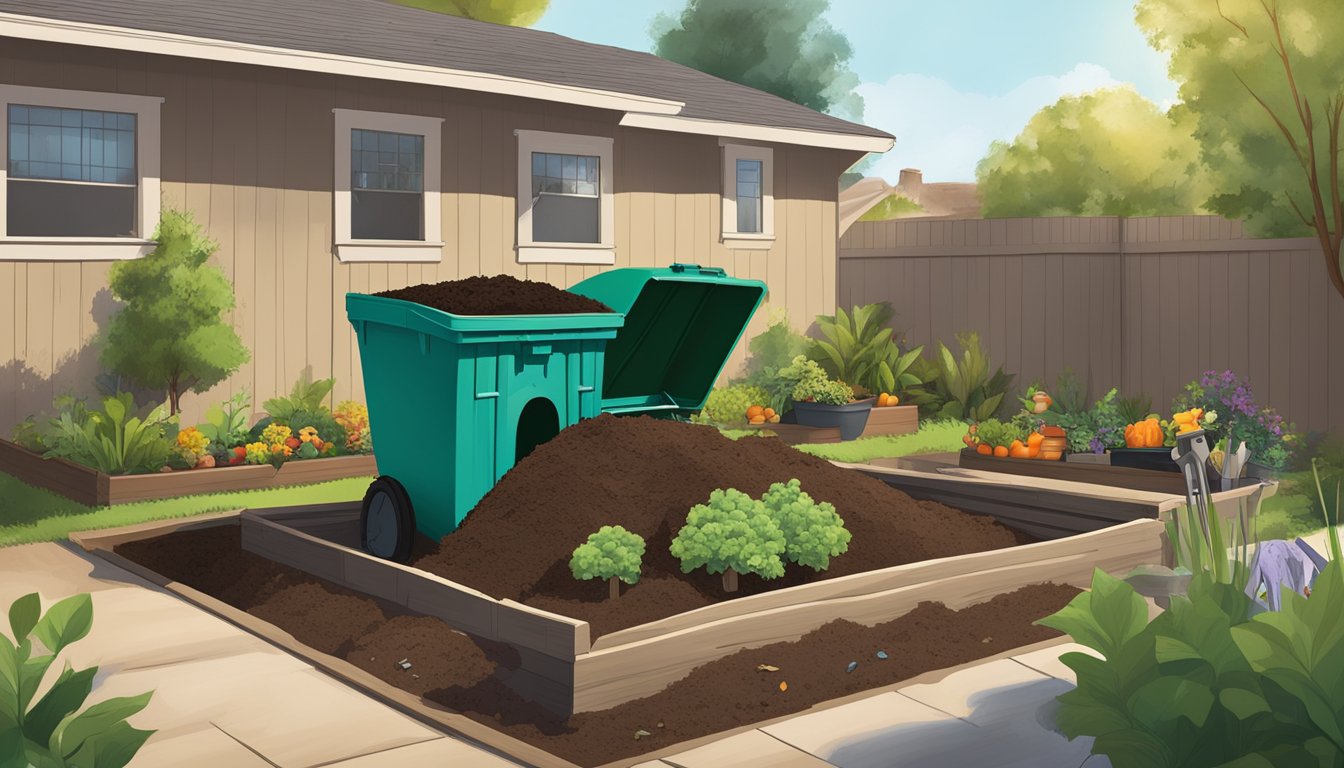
(497,295)
(646,474)
(459,672)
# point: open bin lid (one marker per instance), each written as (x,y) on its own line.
(681,323)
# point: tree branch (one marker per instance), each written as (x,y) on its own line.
(1287,134)
(1311,223)
(1217,4)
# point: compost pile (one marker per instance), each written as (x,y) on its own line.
(497,295)
(645,474)
(465,674)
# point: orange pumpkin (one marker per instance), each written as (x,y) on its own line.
(1000,451)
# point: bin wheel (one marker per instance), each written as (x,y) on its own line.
(387,520)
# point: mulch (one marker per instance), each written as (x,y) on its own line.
(497,295)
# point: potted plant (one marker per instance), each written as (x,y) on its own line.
(819,401)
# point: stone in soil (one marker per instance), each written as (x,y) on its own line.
(497,295)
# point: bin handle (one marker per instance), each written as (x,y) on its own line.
(709,271)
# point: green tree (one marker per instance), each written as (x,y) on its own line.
(732,534)
(813,532)
(514,13)
(172,334)
(783,47)
(1107,153)
(1265,80)
(610,553)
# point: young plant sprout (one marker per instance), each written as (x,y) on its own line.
(611,553)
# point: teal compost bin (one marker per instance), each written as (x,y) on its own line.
(454,401)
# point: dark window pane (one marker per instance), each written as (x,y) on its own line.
(386,161)
(560,219)
(41,209)
(385,215)
(72,144)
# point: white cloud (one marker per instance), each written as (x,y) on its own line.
(945,132)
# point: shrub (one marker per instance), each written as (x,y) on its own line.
(172,334)
(52,732)
(727,406)
(328,428)
(859,349)
(995,433)
(770,352)
(1204,683)
(813,533)
(112,440)
(306,396)
(611,553)
(953,388)
(814,386)
(1094,430)
(1265,432)
(732,534)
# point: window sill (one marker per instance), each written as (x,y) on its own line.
(745,241)
(566,254)
(74,248)
(389,251)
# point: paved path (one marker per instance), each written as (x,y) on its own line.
(221,696)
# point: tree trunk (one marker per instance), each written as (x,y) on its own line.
(729,580)
(613,588)
(174,398)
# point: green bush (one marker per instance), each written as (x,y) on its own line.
(52,732)
(731,534)
(225,425)
(1205,683)
(610,553)
(769,352)
(727,406)
(995,433)
(959,388)
(112,440)
(172,333)
(306,395)
(813,385)
(1094,430)
(813,532)
(859,349)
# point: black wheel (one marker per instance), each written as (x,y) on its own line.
(387,520)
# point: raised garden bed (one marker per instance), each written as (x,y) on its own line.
(890,420)
(459,683)
(1096,472)
(92,488)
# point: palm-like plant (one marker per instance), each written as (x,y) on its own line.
(859,349)
(959,388)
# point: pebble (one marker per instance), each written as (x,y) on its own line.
(882,654)
(404,664)
(987,639)
(853,665)
(660,723)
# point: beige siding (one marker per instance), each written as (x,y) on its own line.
(1145,304)
(249,151)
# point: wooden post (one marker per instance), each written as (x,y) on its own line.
(729,580)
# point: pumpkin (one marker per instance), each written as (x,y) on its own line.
(1000,451)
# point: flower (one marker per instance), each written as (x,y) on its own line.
(258,453)
(354,417)
(192,445)
(275,434)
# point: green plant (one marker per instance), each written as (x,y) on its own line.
(324,421)
(1331,525)
(40,433)
(172,333)
(112,440)
(52,732)
(960,388)
(306,395)
(768,353)
(1205,683)
(731,534)
(995,433)
(893,206)
(859,349)
(813,532)
(225,424)
(610,553)
(814,386)
(1092,430)
(1268,437)
(727,406)
(354,419)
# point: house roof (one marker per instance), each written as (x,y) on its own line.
(376,38)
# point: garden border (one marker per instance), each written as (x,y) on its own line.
(92,488)
(889,420)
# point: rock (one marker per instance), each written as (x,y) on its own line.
(882,655)
(766,668)
(641,733)
(853,665)
(987,639)
(404,664)
(660,723)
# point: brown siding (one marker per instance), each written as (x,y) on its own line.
(249,151)
(1145,304)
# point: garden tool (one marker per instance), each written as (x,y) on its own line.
(1233,463)
(1191,454)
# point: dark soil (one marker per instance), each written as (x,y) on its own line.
(646,474)
(497,295)
(465,675)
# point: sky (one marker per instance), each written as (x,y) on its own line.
(946,77)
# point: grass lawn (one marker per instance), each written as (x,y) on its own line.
(30,514)
(932,437)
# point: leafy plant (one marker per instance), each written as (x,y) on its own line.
(112,440)
(768,353)
(225,425)
(731,534)
(324,421)
(307,395)
(960,388)
(995,433)
(727,406)
(172,333)
(813,532)
(52,732)
(859,349)
(354,419)
(610,553)
(814,386)
(40,433)
(1205,683)
(1268,437)
(1331,525)
(1092,430)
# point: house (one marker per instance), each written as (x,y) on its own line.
(357,145)
(938,200)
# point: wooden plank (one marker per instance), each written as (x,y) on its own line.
(1098,474)
(123,489)
(322,470)
(73,481)
(105,539)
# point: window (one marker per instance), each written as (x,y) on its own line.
(387,194)
(748,196)
(565,201)
(80,174)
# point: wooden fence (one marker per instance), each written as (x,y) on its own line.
(1145,304)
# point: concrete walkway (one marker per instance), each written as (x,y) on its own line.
(221,696)
(998,714)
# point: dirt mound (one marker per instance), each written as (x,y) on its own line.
(497,295)
(646,474)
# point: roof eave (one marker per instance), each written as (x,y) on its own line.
(763,133)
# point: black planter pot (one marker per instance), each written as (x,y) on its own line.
(850,418)
(1158,459)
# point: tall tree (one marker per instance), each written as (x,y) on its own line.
(514,13)
(1265,79)
(783,47)
(1107,153)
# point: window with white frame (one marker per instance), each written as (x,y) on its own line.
(565,201)
(387,194)
(80,178)
(748,196)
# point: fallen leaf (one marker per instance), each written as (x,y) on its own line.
(783,686)
(766,668)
